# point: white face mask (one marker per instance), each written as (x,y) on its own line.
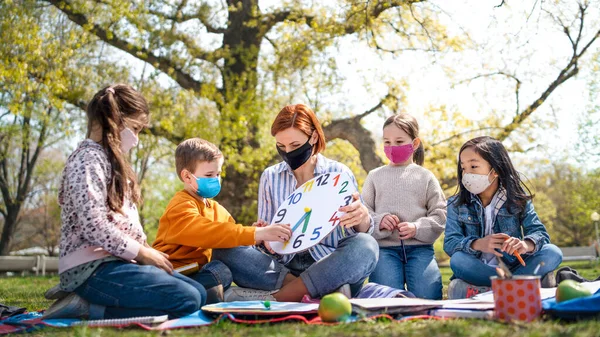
(128,140)
(477,183)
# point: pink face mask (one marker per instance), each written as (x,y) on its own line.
(399,153)
(128,140)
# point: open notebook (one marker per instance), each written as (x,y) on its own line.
(124,321)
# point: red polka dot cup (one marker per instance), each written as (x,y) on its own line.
(517,299)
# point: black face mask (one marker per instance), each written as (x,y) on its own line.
(297,157)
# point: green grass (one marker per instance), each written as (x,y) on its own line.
(28,292)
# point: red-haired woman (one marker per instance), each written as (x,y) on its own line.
(342,261)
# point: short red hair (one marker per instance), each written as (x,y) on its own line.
(302,118)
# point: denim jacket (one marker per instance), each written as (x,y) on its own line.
(465,224)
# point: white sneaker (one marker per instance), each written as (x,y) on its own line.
(246,294)
(71,306)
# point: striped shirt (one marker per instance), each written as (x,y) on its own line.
(278,182)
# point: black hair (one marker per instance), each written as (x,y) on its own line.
(492,151)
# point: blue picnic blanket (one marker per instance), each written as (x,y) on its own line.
(584,307)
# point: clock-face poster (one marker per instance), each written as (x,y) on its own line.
(312,211)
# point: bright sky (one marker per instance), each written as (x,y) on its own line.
(545,48)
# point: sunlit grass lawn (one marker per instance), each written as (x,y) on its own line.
(28,292)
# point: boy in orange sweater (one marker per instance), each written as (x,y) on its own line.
(193,223)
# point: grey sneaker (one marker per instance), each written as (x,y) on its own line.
(458,289)
(214,294)
(246,294)
(549,280)
(71,306)
(55,293)
(345,290)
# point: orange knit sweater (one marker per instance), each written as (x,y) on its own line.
(190,228)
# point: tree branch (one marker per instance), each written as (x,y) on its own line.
(517,85)
(271,19)
(180,17)
(570,70)
(25,142)
(168,135)
(21,193)
(457,135)
(164,64)
(4,181)
(353,131)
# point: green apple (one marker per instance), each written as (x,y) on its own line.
(570,289)
(334,308)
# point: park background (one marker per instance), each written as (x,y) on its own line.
(526,72)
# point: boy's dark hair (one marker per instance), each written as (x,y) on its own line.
(492,151)
(408,124)
(108,109)
(193,151)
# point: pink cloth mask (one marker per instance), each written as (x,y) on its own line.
(128,140)
(399,153)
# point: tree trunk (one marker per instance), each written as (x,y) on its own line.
(10,225)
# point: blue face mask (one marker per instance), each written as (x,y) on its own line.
(208,187)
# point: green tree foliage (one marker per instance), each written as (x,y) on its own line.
(238,62)
(566,197)
(43,63)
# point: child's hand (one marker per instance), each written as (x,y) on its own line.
(153,257)
(276,232)
(388,223)
(407,230)
(513,244)
(490,243)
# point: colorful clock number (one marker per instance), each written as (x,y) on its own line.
(298,242)
(322,180)
(347,199)
(294,198)
(333,219)
(281,215)
(344,185)
(336,179)
(316,233)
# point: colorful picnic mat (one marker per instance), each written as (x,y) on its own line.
(251,312)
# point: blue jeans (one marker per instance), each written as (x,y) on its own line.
(351,263)
(119,289)
(419,271)
(472,270)
(213,274)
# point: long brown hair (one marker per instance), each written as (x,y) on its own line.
(302,118)
(108,110)
(408,124)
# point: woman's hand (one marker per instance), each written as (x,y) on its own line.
(153,257)
(357,214)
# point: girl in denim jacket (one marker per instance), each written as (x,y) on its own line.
(490,218)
